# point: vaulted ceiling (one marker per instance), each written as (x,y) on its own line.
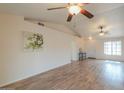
(111,15)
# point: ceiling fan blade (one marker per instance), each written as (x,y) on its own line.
(56,8)
(107,32)
(86,13)
(69,17)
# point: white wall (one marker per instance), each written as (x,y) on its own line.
(76,44)
(90,47)
(17,64)
(95,48)
(56,26)
(59,27)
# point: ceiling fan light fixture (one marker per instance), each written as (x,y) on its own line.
(90,38)
(74,9)
(101,33)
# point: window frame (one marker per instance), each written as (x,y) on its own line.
(113,48)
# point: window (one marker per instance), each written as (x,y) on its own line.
(112,48)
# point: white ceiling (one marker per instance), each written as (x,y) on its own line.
(111,15)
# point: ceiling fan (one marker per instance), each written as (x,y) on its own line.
(101,33)
(75,9)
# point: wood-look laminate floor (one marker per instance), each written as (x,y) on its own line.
(89,74)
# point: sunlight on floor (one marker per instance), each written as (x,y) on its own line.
(113,71)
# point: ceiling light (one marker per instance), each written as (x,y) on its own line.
(101,33)
(74,9)
(90,38)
